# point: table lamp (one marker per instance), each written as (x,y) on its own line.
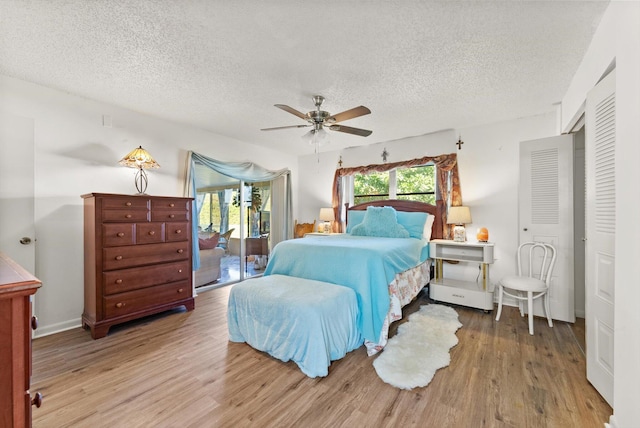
(326,216)
(141,159)
(459,216)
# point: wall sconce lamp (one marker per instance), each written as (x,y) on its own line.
(459,216)
(326,216)
(141,159)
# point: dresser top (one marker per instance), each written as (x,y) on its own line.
(14,277)
(115,195)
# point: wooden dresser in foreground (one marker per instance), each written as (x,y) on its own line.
(137,258)
(16,323)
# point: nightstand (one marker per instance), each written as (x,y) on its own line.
(467,293)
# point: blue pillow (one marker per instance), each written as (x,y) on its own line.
(354,218)
(381,222)
(413,222)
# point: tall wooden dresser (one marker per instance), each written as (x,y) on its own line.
(16,323)
(137,258)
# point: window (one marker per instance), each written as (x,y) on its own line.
(416,184)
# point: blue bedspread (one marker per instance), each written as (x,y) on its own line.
(306,321)
(365,264)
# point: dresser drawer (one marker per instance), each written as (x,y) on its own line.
(149,233)
(176,231)
(125,202)
(117,235)
(125,215)
(119,281)
(170,204)
(140,255)
(169,215)
(133,301)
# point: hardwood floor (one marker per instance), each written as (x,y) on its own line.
(178,369)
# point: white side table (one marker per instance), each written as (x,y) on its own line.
(467,293)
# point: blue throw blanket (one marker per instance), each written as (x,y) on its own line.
(365,264)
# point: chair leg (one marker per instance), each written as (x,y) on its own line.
(530,308)
(500,289)
(547,310)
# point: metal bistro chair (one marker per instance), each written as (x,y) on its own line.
(535,267)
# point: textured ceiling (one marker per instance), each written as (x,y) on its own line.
(420,66)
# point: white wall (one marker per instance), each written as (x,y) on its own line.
(75,154)
(618,39)
(489,174)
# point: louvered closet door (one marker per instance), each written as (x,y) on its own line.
(546,213)
(600,150)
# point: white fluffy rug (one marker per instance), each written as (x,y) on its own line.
(420,347)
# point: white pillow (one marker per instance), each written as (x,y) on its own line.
(426,234)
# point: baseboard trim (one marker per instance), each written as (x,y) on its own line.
(57,328)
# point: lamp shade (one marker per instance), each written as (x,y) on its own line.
(459,215)
(326,214)
(139,158)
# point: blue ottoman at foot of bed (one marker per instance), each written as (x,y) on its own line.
(309,322)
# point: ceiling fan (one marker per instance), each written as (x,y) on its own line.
(320,119)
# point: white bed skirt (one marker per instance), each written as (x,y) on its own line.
(402,290)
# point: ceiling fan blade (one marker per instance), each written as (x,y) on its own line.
(285,127)
(350,130)
(348,114)
(291,110)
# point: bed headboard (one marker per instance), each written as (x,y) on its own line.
(408,206)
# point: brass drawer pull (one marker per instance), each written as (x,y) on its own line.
(118,281)
(152,232)
(34,322)
(179,231)
(128,204)
(120,305)
(180,290)
(172,215)
(172,205)
(37,400)
(118,258)
(180,251)
(179,270)
(127,216)
(120,234)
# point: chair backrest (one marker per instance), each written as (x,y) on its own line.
(536,260)
(299,229)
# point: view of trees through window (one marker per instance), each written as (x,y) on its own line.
(416,184)
(220,217)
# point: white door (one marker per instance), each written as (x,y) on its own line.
(600,148)
(546,213)
(17,189)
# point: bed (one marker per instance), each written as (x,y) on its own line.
(323,296)
(385,272)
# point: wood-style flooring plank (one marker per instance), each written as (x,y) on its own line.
(178,369)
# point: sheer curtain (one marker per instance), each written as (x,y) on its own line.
(447,184)
(248,172)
